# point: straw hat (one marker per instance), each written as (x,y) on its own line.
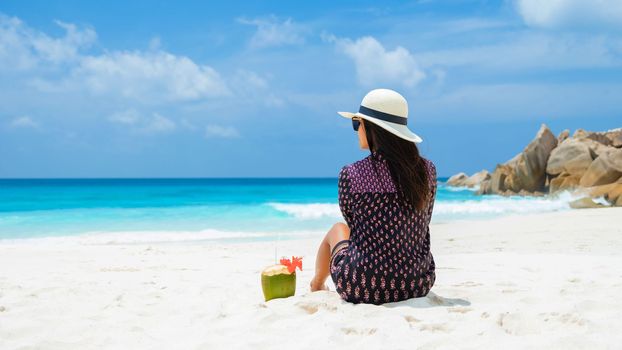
(387,109)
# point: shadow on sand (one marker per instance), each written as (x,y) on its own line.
(430,300)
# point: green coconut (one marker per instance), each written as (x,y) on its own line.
(278,282)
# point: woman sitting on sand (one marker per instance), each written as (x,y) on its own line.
(382,253)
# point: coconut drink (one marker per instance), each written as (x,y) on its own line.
(279,280)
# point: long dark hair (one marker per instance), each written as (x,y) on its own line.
(407,167)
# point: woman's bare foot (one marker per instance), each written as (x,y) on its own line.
(315,286)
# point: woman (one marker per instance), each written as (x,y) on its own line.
(382,253)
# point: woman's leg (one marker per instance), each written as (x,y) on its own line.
(338,232)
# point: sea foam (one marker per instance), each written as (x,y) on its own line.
(444,209)
(308,210)
(142,237)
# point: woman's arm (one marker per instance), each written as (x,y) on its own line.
(432,184)
(345,196)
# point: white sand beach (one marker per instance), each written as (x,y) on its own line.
(539,281)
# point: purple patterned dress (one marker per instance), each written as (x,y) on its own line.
(387,257)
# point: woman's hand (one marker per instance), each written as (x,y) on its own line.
(315,285)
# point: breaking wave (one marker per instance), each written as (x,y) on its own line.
(308,210)
(447,209)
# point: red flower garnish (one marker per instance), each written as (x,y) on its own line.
(291,264)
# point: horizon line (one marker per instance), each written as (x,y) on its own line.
(172,178)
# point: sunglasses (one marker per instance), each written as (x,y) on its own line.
(356,123)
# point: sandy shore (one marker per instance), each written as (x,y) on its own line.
(548,281)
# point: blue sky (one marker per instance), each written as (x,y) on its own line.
(251,89)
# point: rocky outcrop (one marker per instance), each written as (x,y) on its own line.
(530,170)
(607,168)
(497,179)
(475,180)
(564,182)
(611,138)
(584,203)
(572,157)
(610,192)
(527,170)
(563,136)
(457,180)
(586,161)
(485,187)
(616,137)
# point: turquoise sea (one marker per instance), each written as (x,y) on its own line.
(208,208)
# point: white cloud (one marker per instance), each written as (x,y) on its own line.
(558,13)
(525,51)
(467,24)
(22,47)
(271,100)
(136,121)
(66,48)
(273,32)
(23,122)
(221,131)
(158,123)
(149,76)
(519,101)
(244,79)
(376,65)
(251,88)
(153,76)
(130,116)
(186,124)
(47,68)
